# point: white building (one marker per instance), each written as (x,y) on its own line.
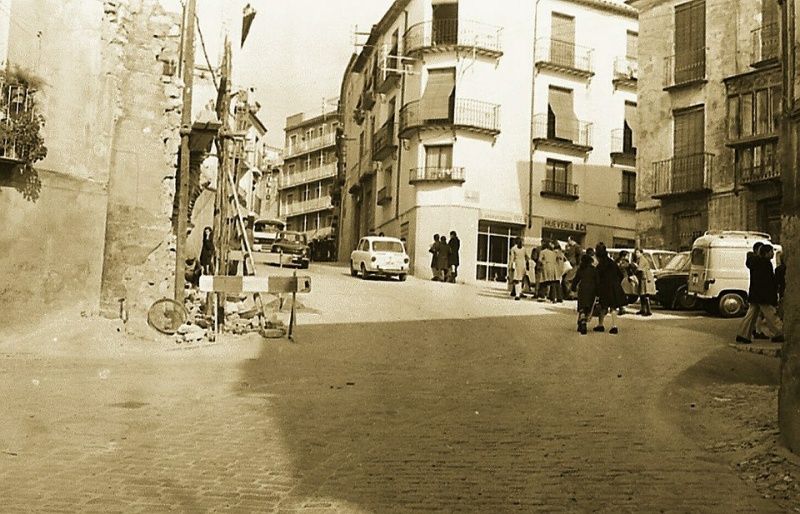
(495,120)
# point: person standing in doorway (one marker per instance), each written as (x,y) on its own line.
(207,252)
(455,247)
(518,266)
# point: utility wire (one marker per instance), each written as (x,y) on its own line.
(205,53)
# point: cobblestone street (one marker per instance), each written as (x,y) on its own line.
(494,414)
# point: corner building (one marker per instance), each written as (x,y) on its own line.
(495,120)
(710,93)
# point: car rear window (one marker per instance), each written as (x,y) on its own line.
(387,246)
(698,256)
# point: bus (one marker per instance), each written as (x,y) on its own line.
(265,232)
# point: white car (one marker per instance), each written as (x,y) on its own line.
(377,255)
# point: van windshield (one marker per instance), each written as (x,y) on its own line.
(698,256)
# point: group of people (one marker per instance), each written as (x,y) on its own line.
(765,296)
(546,272)
(444,257)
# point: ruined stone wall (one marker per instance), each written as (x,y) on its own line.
(142,53)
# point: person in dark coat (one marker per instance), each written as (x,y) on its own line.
(207,252)
(443,259)
(762,296)
(455,246)
(780,277)
(610,290)
(586,282)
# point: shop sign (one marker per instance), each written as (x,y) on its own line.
(570,226)
(503,217)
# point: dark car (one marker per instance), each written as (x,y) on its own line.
(672,283)
(293,248)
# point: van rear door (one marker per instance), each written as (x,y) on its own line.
(697,271)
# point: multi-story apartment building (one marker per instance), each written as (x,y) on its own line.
(495,120)
(309,171)
(710,93)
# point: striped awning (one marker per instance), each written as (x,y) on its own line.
(560,102)
(435,103)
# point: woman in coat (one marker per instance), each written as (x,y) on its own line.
(207,252)
(518,266)
(548,262)
(610,289)
(586,282)
(647,282)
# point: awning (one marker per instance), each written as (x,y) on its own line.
(630,119)
(435,103)
(560,102)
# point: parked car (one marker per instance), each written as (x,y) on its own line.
(672,283)
(718,275)
(376,255)
(293,248)
(656,259)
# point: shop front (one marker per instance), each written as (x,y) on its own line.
(494,242)
(562,229)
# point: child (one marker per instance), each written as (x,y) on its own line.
(586,283)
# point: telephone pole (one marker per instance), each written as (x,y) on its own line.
(183,172)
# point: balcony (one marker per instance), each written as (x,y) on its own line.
(306,206)
(559,189)
(576,138)
(686,69)
(765,41)
(383,141)
(470,115)
(622,150)
(564,57)
(452,35)
(431,174)
(303,177)
(367,99)
(17,111)
(384,195)
(683,175)
(626,72)
(627,200)
(770,171)
(316,143)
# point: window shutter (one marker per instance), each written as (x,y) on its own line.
(435,103)
(562,39)
(690,41)
(631,120)
(566,121)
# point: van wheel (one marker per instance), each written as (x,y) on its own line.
(731,305)
(683,300)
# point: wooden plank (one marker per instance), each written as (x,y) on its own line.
(235,284)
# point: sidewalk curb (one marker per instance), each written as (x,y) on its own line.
(769,349)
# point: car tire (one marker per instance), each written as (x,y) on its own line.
(731,305)
(363,271)
(683,300)
(401,278)
(353,270)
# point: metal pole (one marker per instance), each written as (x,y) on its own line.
(183,173)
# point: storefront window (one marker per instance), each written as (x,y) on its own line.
(494,242)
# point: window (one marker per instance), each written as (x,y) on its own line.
(557,180)
(561,120)
(689,132)
(438,158)
(757,162)
(690,41)
(445,23)
(562,40)
(494,243)
(292,142)
(438,101)
(631,45)
(628,193)
(629,129)
(291,168)
(734,126)
(754,113)
(688,227)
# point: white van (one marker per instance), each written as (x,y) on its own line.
(718,275)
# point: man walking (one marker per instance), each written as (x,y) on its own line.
(455,246)
(763,296)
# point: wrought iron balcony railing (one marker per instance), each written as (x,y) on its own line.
(576,132)
(682,175)
(465,114)
(765,43)
(685,68)
(436,174)
(306,206)
(564,56)
(440,35)
(316,143)
(627,199)
(769,171)
(17,109)
(559,188)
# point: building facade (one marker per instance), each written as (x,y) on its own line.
(494,121)
(709,109)
(308,175)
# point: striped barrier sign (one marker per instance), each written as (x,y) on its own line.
(235,284)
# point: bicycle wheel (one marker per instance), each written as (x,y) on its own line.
(166,315)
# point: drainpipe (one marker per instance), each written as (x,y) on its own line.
(533,113)
(397,123)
